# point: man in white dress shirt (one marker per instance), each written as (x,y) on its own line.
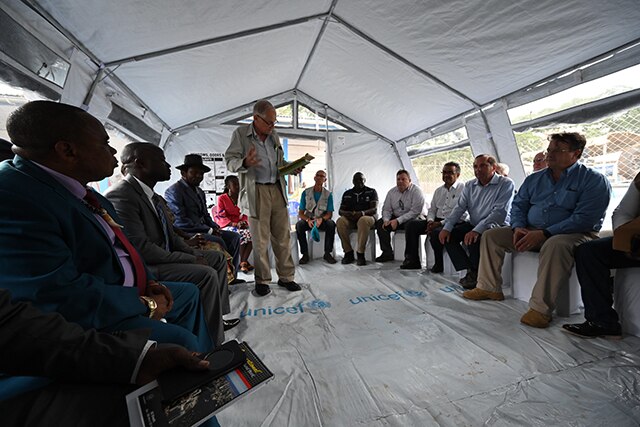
(443,202)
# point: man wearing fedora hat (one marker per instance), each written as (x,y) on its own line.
(187,201)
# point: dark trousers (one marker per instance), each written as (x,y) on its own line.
(72,404)
(385,236)
(459,257)
(230,241)
(414,229)
(329,228)
(594,259)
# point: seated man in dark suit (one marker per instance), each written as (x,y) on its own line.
(5,150)
(144,216)
(79,373)
(61,246)
(187,201)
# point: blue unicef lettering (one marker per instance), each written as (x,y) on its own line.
(280,311)
(318,304)
(396,296)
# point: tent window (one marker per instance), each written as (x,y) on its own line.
(294,148)
(307,119)
(452,139)
(613,148)
(12,97)
(613,144)
(429,168)
(26,49)
(284,115)
(614,84)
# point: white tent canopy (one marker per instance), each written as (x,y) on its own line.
(396,69)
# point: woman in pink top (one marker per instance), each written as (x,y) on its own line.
(229,218)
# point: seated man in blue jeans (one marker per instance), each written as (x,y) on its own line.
(594,261)
(316,208)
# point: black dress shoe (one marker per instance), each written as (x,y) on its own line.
(386,256)
(237,281)
(411,265)
(230,323)
(304,259)
(348,258)
(291,286)
(592,330)
(361,260)
(262,289)
(437,268)
(329,258)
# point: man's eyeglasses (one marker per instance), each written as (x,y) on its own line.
(267,122)
(557,150)
(401,203)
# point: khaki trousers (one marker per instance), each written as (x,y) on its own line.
(271,224)
(554,264)
(364,225)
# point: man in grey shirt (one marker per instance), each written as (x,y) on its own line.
(403,203)
(255,154)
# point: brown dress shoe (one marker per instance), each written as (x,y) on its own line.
(478,294)
(535,319)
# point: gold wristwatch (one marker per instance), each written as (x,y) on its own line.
(151,303)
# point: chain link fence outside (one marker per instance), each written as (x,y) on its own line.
(429,168)
(613,144)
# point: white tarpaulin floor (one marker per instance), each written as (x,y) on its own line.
(380,346)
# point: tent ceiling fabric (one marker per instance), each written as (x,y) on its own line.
(364,78)
(488,49)
(201,82)
(482,49)
(117,29)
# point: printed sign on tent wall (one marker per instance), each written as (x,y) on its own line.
(213,181)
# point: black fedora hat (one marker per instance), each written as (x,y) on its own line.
(193,160)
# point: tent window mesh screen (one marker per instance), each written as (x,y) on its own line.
(284,116)
(613,144)
(429,168)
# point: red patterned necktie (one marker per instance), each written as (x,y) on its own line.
(134,256)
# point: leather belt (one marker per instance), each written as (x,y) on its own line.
(265,183)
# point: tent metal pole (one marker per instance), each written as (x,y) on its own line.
(92,88)
(404,60)
(316,43)
(214,40)
(329,148)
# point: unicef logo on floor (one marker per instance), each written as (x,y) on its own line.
(411,293)
(318,304)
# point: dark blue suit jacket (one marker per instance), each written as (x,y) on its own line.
(47,232)
(189,207)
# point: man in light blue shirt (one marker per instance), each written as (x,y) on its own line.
(487,200)
(556,210)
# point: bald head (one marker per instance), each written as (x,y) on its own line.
(262,106)
(64,138)
(36,126)
(146,162)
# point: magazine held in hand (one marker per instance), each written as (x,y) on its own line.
(181,398)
